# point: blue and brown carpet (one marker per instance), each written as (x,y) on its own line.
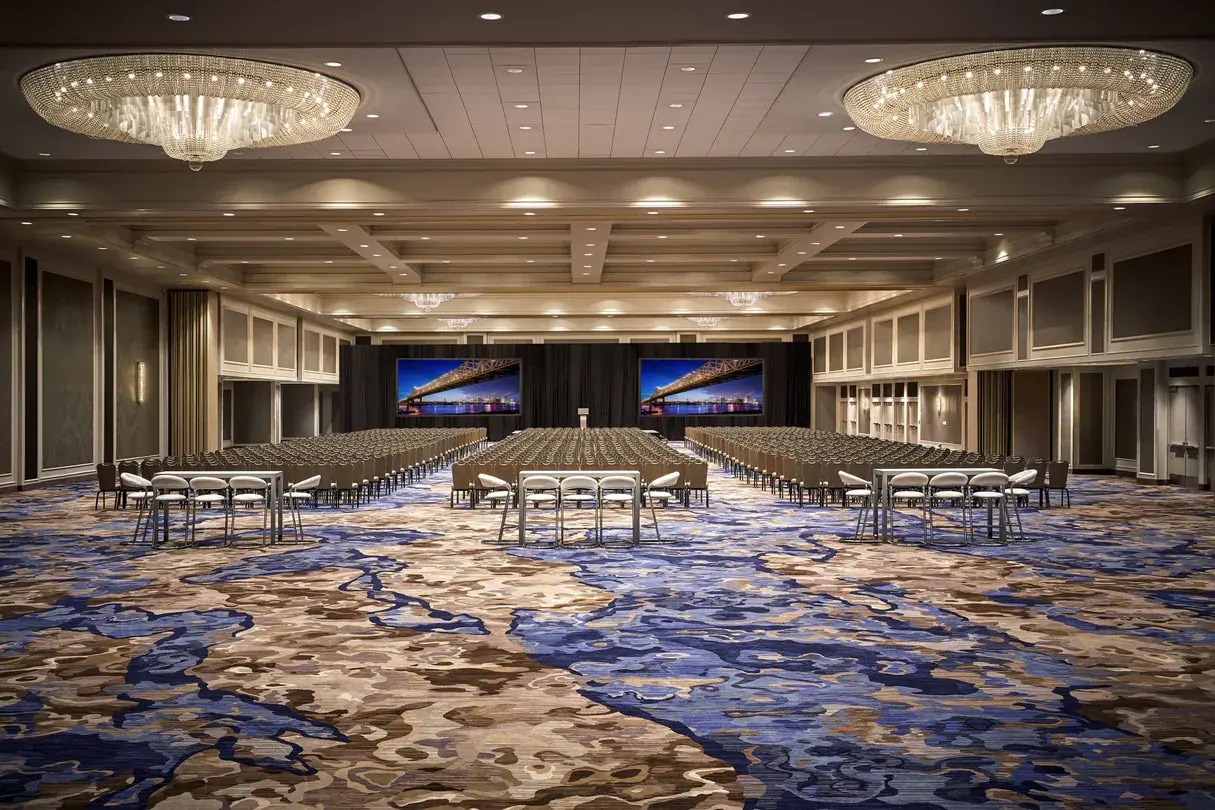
(755,662)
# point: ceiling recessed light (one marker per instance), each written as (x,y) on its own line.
(937,258)
(737,15)
(852,258)
(779,265)
(826,114)
(662,237)
(327,261)
(26,222)
(899,235)
(1119,207)
(341,230)
(873,60)
(816,244)
(921,149)
(178,18)
(491,16)
(733,261)
(192,239)
(587,266)
(447,261)
(373,115)
(652,213)
(590,244)
(687,69)
(963,210)
(183,275)
(514,70)
(73,214)
(588,255)
(524,128)
(522,237)
(162,267)
(286,238)
(529,213)
(333,64)
(849,129)
(649,261)
(1051,12)
(334,154)
(378,214)
(520,106)
(347,129)
(660,151)
(801,253)
(229,214)
(668,127)
(1208,121)
(44,154)
(529,153)
(790,151)
(592,229)
(759,236)
(675,106)
(839,227)
(67,236)
(362,246)
(531,261)
(997,234)
(1154,146)
(807,210)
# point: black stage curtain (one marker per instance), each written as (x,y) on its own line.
(559,378)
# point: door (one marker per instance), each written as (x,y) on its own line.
(1185,434)
(1209,441)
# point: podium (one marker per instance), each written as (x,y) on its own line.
(583,413)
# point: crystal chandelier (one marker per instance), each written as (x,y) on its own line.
(1012,102)
(457,323)
(428,301)
(706,322)
(197,108)
(743,300)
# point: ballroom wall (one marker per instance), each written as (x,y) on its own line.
(557,379)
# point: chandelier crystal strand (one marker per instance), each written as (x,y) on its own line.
(457,323)
(742,300)
(1012,102)
(197,108)
(706,322)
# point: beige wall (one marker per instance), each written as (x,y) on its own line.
(1031,417)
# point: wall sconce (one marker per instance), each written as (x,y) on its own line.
(141,382)
(940,406)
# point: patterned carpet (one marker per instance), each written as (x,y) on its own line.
(757,662)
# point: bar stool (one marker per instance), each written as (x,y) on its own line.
(499,492)
(295,495)
(169,490)
(250,491)
(857,487)
(615,489)
(577,490)
(208,492)
(908,487)
(656,491)
(539,490)
(949,486)
(988,489)
(1016,491)
(139,489)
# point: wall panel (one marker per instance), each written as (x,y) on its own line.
(137,340)
(908,344)
(941,416)
(883,343)
(991,323)
(68,366)
(1058,310)
(1126,404)
(938,333)
(855,339)
(1152,294)
(7,320)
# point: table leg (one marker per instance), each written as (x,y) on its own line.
(522,513)
(276,519)
(636,511)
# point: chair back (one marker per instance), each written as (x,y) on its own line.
(170,483)
(107,476)
(989,479)
(307,484)
(577,482)
(668,480)
(616,483)
(539,483)
(848,479)
(207,483)
(1056,474)
(1022,478)
(248,482)
(909,479)
(133,481)
(948,479)
(491,482)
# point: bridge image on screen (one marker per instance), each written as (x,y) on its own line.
(701,387)
(457,386)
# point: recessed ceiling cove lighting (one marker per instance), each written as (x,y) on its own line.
(333,64)
(1051,12)
(807,210)
(491,16)
(737,15)
(178,18)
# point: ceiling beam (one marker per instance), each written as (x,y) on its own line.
(588,249)
(376,253)
(796,251)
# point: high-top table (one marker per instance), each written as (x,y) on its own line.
(274,495)
(596,474)
(881,491)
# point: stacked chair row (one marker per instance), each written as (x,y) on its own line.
(804,465)
(578,449)
(353,467)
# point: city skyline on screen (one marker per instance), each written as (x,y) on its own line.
(492,386)
(741,393)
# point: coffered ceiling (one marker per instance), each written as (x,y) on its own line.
(574,162)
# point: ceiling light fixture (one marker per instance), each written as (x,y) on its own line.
(178,18)
(737,15)
(525,128)
(529,153)
(457,323)
(742,300)
(825,114)
(378,214)
(790,151)
(514,70)
(675,106)
(1011,102)
(668,127)
(873,60)
(529,213)
(197,108)
(706,321)
(1154,146)
(491,16)
(73,214)
(660,151)
(687,69)
(26,222)
(346,129)
(333,64)
(1051,12)
(373,115)
(849,129)
(1119,207)
(335,154)
(428,301)
(520,106)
